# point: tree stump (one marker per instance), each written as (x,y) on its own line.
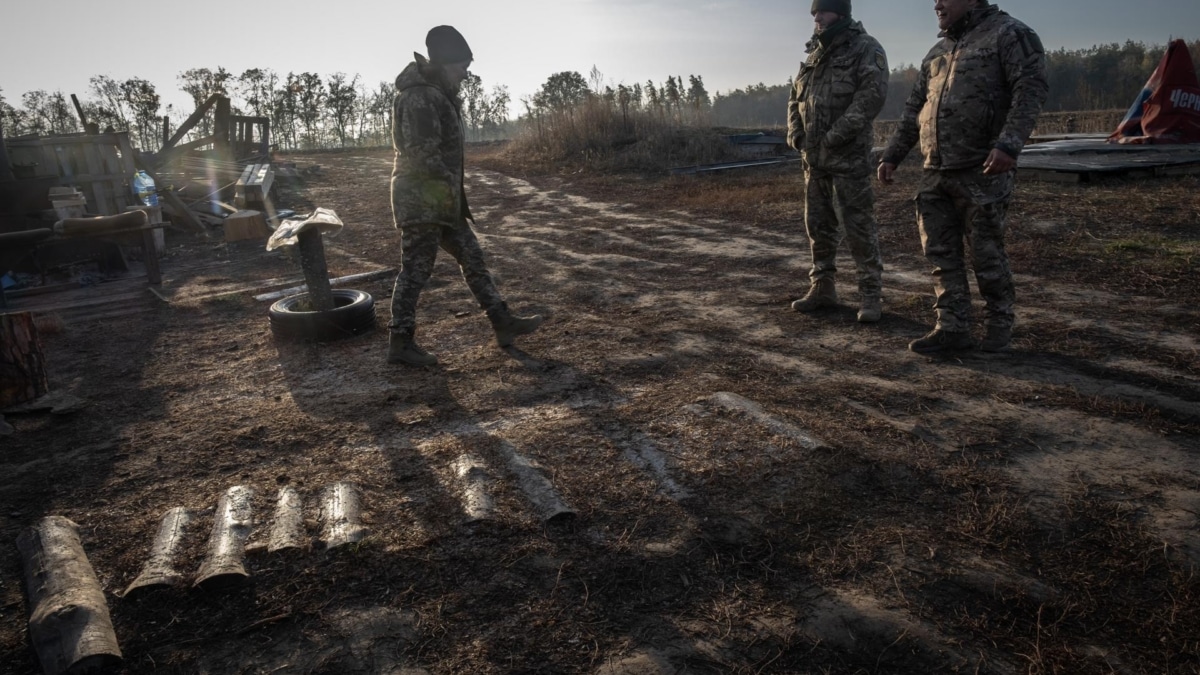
(22,365)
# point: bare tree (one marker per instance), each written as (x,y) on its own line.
(342,103)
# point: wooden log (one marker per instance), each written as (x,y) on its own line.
(532,480)
(287,525)
(316,270)
(244,225)
(159,570)
(69,623)
(22,364)
(101,225)
(224,564)
(341,513)
(476,498)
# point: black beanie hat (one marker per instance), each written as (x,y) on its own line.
(837,6)
(447,45)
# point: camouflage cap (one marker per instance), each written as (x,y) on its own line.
(447,45)
(836,6)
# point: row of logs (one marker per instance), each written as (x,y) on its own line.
(69,621)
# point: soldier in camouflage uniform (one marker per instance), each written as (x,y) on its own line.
(840,89)
(973,107)
(429,203)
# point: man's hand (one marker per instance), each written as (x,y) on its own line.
(998,162)
(886,173)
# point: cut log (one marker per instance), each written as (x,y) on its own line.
(69,622)
(224,564)
(531,478)
(245,225)
(476,484)
(287,526)
(159,570)
(22,364)
(341,513)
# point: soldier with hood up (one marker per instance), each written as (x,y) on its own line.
(429,202)
(972,110)
(840,89)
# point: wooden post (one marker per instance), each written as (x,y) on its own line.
(316,270)
(222,130)
(69,623)
(79,110)
(166,129)
(22,365)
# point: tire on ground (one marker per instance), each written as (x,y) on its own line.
(353,313)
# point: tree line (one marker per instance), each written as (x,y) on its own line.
(308,111)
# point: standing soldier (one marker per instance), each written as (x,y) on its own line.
(974,105)
(834,100)
(429,203)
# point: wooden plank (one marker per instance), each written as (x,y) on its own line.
(100,200)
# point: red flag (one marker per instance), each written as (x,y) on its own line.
(1168,109)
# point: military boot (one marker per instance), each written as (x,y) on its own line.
(403,349)
(997,339)
(940,340)
(871,310)
(508,326)
(822,293)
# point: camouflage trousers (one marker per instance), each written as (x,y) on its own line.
(420,245)
(833,204)
(960,206)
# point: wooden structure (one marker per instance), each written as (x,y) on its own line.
(22,363)
(1079,160)
(234,138)
(99,166)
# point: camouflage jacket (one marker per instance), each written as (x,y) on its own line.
(427,133)
(981,87)
(834,100)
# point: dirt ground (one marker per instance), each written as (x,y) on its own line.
(752,490)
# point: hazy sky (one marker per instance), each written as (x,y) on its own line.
(518,43)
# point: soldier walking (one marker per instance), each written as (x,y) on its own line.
(429,202)
(840,89)
(972,110)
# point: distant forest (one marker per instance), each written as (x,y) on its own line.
(308,111)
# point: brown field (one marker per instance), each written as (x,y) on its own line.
(1030,512)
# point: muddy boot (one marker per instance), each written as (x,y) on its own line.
(822,293)
(871,310)
(941,341)
(403,349)
(508,326)
(997,339)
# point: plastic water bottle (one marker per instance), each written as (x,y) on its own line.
(143,187)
